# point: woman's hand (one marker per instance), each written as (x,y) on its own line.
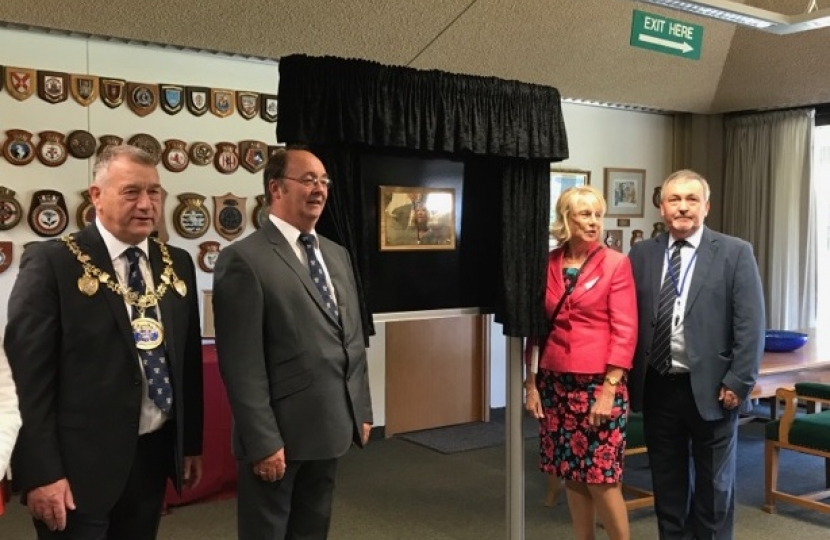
(604,404)
(533,403)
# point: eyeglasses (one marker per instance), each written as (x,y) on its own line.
(310,180)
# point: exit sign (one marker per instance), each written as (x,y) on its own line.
(665,35)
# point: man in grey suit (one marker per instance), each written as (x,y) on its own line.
(291,353)
(701,337)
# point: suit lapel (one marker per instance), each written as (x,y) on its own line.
(287,254)
(656,258)
(703,266)
(91,243)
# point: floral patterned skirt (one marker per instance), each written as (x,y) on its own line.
(570,446)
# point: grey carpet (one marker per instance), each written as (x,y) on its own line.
(395,490)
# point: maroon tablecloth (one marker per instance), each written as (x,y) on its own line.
(219,475)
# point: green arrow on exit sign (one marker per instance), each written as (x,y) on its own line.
(665,35)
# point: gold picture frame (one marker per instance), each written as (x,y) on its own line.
(624,192)
(416,218)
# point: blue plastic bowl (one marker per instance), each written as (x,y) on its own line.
(783,340)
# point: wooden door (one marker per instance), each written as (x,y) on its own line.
(435,372)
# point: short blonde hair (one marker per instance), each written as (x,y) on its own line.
(567,203)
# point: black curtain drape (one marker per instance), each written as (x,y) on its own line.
(506,131)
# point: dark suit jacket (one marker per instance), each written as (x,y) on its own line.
(724,318)
(295,378)
(76,368)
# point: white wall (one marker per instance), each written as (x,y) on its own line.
(598,138)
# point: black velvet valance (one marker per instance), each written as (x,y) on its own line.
(506,132)
(332,100)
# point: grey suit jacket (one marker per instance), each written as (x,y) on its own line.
(724,318)
(296,377)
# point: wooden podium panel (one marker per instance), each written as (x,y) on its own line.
(435,372)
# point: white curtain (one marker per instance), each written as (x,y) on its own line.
(769,201)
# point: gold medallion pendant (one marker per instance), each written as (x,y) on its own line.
(180,287)
(88,285)
(148,333)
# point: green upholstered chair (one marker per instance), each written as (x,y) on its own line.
(806,433)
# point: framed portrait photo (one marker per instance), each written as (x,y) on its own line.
(416,219)
(562,179)
(624,192)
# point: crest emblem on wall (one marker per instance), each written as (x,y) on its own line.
(51,150)
(221,102)
(10,210)
(112,92)
(18,147)
(5,255)
(52,87)
(197,99)
(226,159)
(47,216)
(229,215)
(247,103)
(252,155)
(84,88)
(268,107)
(143,98)
(20,82)
(191,219)
(172,98)
(174,157)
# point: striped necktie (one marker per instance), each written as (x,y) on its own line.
(660,358)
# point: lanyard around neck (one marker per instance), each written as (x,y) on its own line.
(679,287)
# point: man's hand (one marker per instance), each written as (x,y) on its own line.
(271,468)
(192,473)
(49,503)
(367,430)
(728,398)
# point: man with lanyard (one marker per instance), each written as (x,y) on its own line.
(700,341)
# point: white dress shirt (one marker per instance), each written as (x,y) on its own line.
(9,412)
(152,418)
(688,260)
(292,234)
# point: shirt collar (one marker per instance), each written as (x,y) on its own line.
(290,232)
(116,247)
(694,240)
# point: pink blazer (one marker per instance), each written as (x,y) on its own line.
(597,325)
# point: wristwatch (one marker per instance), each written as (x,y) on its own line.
(613,381)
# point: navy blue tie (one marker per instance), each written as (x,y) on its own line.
(153,361)
(660,358)
(318,276)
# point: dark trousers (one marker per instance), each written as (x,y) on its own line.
(297,507)
(136,514)
(692,462)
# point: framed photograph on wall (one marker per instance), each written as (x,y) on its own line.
(562,179)
(416,218)
(624,192)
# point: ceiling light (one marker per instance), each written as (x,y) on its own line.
(744,15)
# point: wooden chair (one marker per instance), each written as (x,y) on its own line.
(808,434)
(635,443)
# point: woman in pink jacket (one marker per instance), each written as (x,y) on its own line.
(578,389)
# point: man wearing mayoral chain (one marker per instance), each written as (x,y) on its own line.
(104,343)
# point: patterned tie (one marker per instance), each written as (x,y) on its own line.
(155,366)
(660,358)
(318,276)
